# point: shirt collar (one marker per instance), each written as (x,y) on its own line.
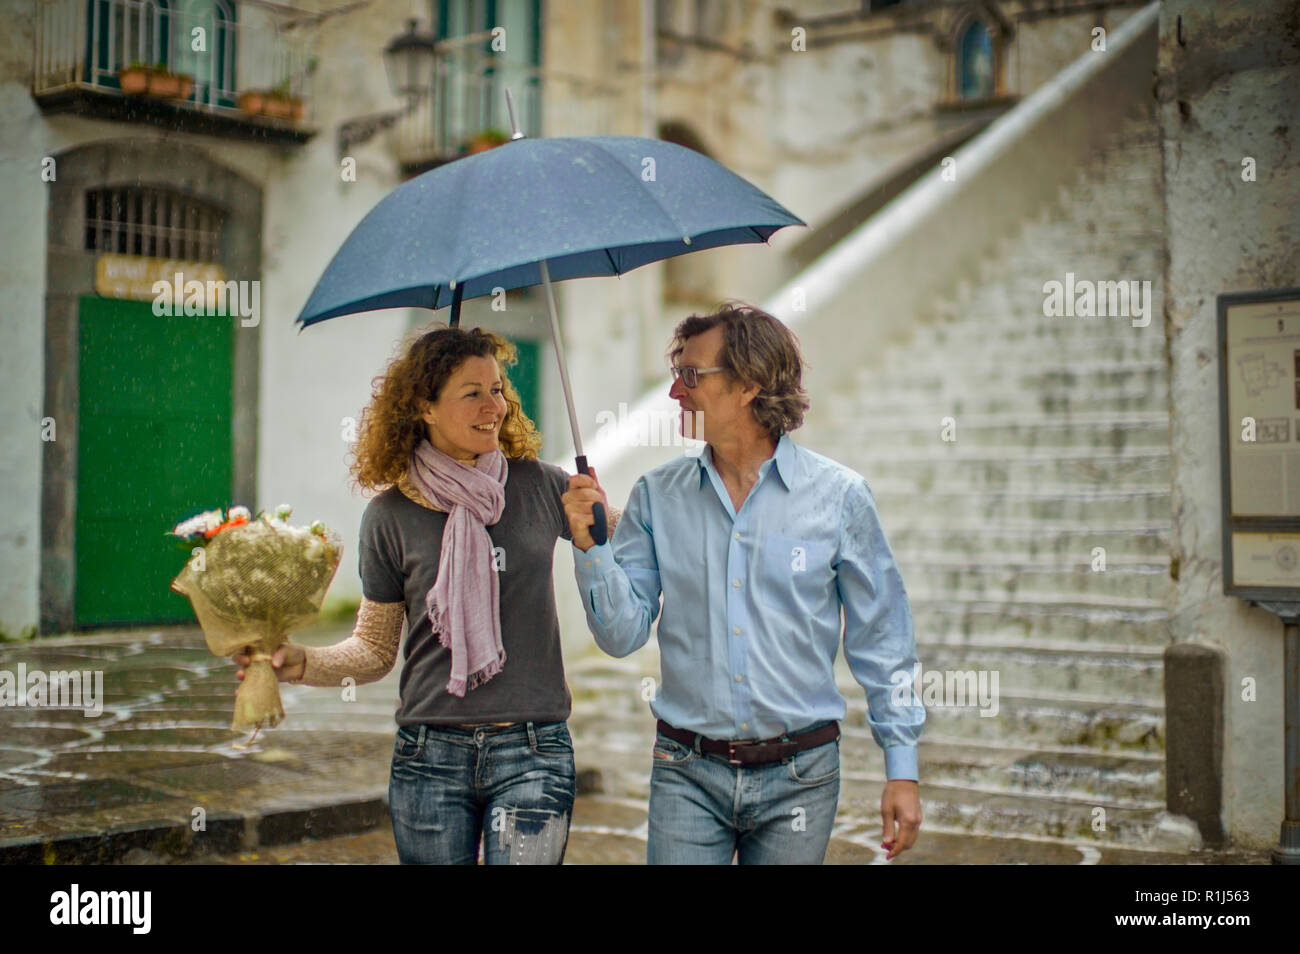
(784,457)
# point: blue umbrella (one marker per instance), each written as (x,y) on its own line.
(536,210)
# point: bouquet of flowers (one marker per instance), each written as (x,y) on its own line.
(252,582)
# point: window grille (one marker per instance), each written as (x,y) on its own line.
(160,223)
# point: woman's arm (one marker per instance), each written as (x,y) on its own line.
(367,655)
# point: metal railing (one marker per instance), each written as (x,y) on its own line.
(221,47)
(467,99)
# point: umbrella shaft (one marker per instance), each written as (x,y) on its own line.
(559,357)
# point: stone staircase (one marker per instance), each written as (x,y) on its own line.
(1062,446)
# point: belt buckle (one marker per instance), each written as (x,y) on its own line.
(731,753)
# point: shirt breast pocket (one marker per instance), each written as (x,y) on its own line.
(795,576)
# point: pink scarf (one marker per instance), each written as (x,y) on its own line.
(464,601)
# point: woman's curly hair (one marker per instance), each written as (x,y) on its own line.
(392,425)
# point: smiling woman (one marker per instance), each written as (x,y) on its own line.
(459,541)
(463,422)
(433,373)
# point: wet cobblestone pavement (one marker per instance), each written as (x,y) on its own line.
(126,785)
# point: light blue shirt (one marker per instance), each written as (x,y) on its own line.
(752,600)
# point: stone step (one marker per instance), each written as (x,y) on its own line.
(995,325)
(992,333)
(1133,673)
(987,472)
(1041,436)
(1100,506)
(1070,773)
(997,580)
(960,398)
(955,617)
(1100,255)
(1022,290)
(1028,378)
(1042,540)
(1047,719)
(987,371)
(1141,824)
(1027,420)
(1143,189)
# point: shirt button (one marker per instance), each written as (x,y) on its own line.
(739,678)
(736,583)
(597,559)
(736,535)
(744,725)
(735,630)
(588,563)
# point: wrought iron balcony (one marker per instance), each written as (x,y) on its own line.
(212,66)
(465,109)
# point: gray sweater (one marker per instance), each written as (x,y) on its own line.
(400,544)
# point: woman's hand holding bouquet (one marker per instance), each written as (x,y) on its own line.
(289,662)
(251,583)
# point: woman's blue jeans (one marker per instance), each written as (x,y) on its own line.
(510,786)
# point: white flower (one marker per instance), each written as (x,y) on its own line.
(198,525)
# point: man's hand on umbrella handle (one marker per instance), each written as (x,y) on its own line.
(584,491)
(289,662)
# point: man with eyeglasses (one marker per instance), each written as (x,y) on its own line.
(756,545)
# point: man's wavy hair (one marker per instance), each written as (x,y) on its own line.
(757,349)
(391,425)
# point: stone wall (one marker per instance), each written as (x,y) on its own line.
(1227,91)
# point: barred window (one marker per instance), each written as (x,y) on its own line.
(160,223)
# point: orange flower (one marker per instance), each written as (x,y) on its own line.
(233,522)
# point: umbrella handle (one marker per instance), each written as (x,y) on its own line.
(599,530)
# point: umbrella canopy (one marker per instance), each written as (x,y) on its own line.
(587,206)
(536,210)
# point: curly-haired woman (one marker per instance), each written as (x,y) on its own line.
(459,542)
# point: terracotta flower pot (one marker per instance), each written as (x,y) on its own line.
(134,80)
(278,107)
(164,85)
(252,101)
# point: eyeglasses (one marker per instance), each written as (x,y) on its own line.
(691,376)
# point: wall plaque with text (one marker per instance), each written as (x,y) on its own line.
(1259,411)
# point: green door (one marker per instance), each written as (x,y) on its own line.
(154,446)
(526,375)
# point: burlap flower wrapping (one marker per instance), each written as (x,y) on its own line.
(252,586)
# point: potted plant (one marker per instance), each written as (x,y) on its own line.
(155,80)
(484,140)
(134,79)
(251,101)
(277,103)
(185,85)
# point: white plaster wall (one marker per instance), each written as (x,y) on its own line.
(1237,77)
(23,142)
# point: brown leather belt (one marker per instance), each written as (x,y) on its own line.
(759,751)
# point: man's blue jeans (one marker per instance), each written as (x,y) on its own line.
(511,786)
(703,810)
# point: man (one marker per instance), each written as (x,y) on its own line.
(755,545)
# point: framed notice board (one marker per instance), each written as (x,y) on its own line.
(1259,418)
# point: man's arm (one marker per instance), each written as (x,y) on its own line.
(619,580)
(878,639)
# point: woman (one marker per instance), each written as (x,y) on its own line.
(460,543)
